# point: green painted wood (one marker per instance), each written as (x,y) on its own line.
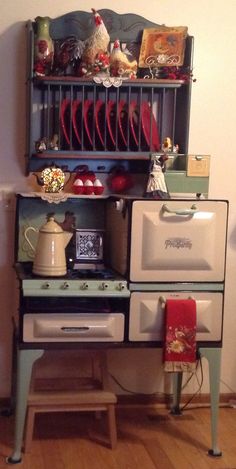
(179,182)
(25,361)
(213,355)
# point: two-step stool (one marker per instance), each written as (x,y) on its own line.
(91,395)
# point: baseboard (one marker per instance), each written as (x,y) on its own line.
(124,400)
(226,399)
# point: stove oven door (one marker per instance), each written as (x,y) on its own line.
(178,241)
(147,314)
(43,327)
(75,318)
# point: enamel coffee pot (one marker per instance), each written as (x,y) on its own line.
(50,257)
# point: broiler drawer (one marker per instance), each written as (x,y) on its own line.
(73,327)
(147,314)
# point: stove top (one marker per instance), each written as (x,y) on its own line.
(85,282)
(25,271)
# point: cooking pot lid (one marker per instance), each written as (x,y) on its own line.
(51,227)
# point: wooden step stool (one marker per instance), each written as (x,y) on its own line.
(90,396)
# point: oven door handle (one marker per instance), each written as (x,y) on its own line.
(162,300)
(72,329)
(181,211)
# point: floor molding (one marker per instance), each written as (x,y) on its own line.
(165,401)
(203,400)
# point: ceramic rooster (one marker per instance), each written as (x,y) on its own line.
(122,63)
(95,57)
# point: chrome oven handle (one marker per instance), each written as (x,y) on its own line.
(181,211)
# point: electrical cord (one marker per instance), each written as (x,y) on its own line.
(162,394)
(227,386)
(135,392)
(199,387)
(155,393)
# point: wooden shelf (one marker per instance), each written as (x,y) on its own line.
(89,81)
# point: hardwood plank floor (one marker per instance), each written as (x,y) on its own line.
(148,438)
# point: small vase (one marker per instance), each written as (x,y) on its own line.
(43,48)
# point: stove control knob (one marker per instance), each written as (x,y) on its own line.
(121,286)
(84,286)
(104,286)
(46,286)
(65,285)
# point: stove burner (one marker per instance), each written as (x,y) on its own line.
(91,274)
(25,271)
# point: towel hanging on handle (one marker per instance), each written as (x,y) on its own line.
(180,335)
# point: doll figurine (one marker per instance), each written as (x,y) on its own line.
(156,186)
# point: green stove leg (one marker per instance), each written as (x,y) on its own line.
(177,385)
(25,361)
(213,355)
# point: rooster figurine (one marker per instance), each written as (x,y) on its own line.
(95,57)
(122,63)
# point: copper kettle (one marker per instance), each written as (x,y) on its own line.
(50,258)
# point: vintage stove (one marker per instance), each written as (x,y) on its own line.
(152,250)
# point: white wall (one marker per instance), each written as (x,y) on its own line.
(211,132)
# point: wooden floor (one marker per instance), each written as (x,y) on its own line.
(148,438)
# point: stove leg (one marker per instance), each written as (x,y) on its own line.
(177,385)
(25,361)
(213,355)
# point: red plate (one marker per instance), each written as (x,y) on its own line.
(133,120)
(76,118)
(64,118)
(100,120)
(123,121)
(111,123)
(88,119)
(148,122)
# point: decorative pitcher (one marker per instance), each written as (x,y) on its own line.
(44,47)
(50,257)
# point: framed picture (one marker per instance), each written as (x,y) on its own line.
(163,47)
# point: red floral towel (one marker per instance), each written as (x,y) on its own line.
(180,335)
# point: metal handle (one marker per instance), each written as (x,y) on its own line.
(181,211)
(30,228)
(75,329)
(162,300)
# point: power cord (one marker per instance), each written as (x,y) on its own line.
(227,386)
(199,385)
(156,393)
(135,392)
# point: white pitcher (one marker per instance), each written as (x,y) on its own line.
(50,258)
